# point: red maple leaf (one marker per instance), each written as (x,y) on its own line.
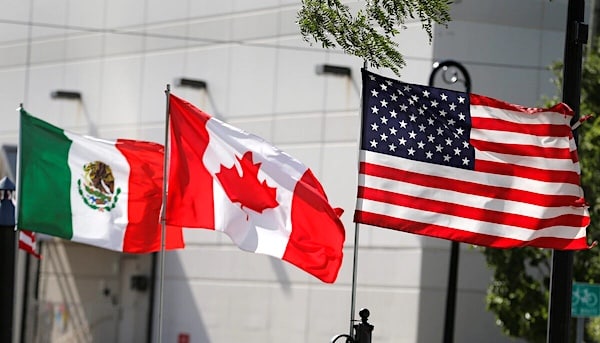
(245,188)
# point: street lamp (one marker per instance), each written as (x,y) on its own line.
(452,73)
(362,331)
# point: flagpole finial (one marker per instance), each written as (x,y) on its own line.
(168,88)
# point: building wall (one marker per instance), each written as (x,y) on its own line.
(85,294)
(506,46)
(261,77)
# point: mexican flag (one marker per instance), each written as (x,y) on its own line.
(98,192)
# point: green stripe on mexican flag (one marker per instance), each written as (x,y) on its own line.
(93,191)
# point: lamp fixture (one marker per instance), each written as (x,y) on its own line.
(334,70)
(198,84)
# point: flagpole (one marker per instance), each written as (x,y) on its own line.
(354,272)
(163,220)
(355,259)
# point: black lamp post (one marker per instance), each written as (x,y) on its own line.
(561,275)
(362,331)
(8,246)
(452,72)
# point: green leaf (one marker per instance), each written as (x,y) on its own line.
(368,33)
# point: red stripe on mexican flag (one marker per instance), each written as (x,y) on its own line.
(222,178)
(93,191)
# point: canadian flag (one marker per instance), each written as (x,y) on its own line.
(222,178)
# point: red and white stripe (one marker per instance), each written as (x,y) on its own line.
(27,242)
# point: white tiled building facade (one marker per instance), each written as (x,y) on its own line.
(260,76)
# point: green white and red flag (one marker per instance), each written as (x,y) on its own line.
(93,191)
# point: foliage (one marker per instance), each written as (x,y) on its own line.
(519,293)
(369,32)
(587,263)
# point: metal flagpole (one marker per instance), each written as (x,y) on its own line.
(355,260)
(163,220)
(354,271)
(561,275)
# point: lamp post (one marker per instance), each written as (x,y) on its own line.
(452,72)
(362,331)
(561,274)
(7,258)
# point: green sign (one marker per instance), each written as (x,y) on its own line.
(585,300)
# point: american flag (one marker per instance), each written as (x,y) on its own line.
(468,168)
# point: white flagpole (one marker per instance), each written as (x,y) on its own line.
(163,220)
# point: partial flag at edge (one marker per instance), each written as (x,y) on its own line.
(27,243)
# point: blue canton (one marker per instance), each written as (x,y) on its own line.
(420,123)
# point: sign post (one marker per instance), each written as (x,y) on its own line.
(585,302)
